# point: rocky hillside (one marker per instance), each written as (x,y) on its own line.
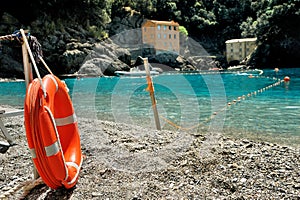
(74,50)
(96,38)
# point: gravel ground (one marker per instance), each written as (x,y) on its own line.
(131,162)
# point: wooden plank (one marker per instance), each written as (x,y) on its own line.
(4,114)
(5,133)
(11,113)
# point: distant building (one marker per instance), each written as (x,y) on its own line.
(239,49)
(162,35)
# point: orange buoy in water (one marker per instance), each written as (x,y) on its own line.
(286,79)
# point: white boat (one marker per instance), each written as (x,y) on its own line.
(250,72)
(237,67)
(136,72)
(243,70)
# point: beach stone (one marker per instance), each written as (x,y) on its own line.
(96,194)
(248,145)
(296,186)
(243,180)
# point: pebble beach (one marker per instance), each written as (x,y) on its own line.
(123,161)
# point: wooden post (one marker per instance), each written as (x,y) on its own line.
(28,79)
(27,67)
(150,88)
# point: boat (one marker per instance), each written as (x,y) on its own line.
(237,67)
(250,72)
(243,70)
(136,72)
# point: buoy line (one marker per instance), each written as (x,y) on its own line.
(230,103)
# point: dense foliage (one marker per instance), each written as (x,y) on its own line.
(276,23)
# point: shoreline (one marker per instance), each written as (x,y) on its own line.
(234,133)
(132,162)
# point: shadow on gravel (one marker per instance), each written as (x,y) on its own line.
(45,193)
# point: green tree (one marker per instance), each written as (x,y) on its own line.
(277,29)
(183,30)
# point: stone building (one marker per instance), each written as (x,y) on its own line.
(162,35)
(239,49)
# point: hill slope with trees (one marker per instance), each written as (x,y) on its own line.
(65,26)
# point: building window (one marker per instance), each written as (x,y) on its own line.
(174,36)
(165,36)
(170,36)
(158,27)
(145,29)
(175,28)
(158,36)
(170,27)
(165,44)
(165,27)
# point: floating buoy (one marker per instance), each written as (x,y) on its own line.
(276,69)
(286,79)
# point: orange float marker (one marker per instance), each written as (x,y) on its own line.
(286,79)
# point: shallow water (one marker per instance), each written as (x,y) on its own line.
(188,100)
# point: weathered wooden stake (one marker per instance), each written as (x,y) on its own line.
(27,66)
(150,88)
(28,80)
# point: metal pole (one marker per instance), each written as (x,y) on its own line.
(150,88)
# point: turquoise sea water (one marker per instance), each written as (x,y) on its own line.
(188,100)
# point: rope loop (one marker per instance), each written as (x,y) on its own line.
(34,48)
(16,35)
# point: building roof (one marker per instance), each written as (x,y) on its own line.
(163,22)
(241,40)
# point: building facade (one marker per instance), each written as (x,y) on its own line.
(162,35)
(239,49)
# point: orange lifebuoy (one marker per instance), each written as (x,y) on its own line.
(52,132)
